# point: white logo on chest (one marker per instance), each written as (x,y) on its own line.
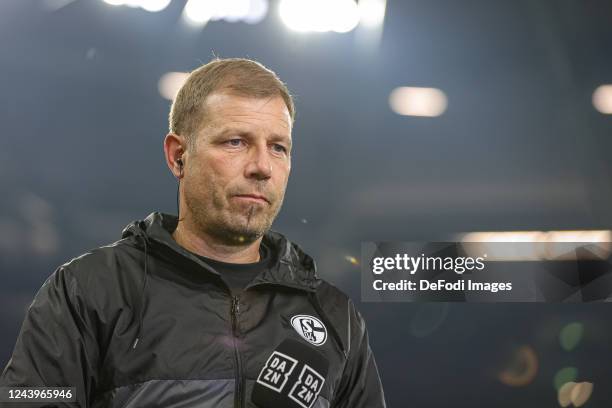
(310,328)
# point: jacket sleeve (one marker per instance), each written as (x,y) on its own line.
(56,346)
(360,386)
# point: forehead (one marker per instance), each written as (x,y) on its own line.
(269,112)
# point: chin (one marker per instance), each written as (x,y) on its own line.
(243,232)
(244,236)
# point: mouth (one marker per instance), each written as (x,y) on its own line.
(253,198)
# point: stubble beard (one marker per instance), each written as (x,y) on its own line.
(228,222)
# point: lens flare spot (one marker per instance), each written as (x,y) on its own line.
(581,393)
(564,396)
(522,369)
(352,260)
(570,336)
(565,375)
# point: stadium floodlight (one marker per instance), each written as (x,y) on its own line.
(199,12)
(231,10)
(345,15)
(170,83)
(148,5)
(372,12)
(415,101)
(257,11)
(319,15)
(132,3)
(602,99)
(154,5)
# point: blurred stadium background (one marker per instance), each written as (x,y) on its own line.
(415,120)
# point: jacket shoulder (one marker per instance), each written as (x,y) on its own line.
(329,293)
(97,270)
(96,259)
(332,297)
(344,313)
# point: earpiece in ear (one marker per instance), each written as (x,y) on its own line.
(180,163)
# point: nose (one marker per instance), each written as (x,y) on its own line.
(259,166)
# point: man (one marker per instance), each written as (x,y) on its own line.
(190,311)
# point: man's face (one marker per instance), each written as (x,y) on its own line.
(237,172)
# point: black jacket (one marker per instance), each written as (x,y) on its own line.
(145,323)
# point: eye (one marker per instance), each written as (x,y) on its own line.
(234,142)
(279,148)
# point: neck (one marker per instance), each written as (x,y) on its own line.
(205,245)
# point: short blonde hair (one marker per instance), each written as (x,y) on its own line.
(237,76)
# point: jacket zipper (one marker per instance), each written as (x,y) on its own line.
(239,391)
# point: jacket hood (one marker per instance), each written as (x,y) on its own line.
(290,267)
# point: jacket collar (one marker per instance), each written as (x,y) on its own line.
(291,267)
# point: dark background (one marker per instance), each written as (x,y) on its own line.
(520,147)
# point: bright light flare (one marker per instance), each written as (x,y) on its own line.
(340,16)
(132,3)
(257,11)
(413,101)
(297,15)
(170,83)
(199,12)
(344,15)
(372,12)
(602,99)
(148,5)
(231,10)
(154,6)
(545,245)
(540,236)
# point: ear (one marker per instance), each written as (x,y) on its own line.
(175,151)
